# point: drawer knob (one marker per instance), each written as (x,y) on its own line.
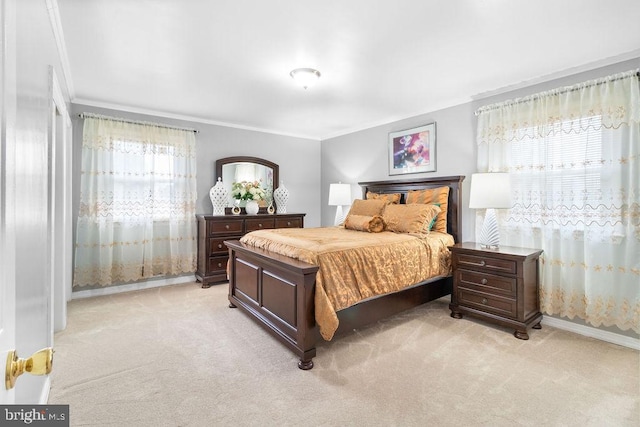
(482,263)
(288,223)
(219,245)
(483,281)
(226,226)
(484,300)
(260,225)
(219,264)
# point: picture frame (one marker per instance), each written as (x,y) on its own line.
(413,150)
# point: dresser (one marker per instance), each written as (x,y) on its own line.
(214,230)
(501,285)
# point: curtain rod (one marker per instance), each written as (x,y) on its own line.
(137,122)
(589,83)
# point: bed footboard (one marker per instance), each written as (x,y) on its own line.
(277,292)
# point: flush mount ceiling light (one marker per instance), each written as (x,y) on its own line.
(305,77)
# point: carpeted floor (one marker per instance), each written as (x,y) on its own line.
(178,356)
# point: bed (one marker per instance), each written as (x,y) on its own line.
(278,292)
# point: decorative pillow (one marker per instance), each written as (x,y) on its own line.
(367,207)
(438,195)
(413,218)
(388,197)
(372,224)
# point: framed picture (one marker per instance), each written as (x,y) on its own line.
(413,150)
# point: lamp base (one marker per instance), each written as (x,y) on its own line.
(489,235)
(340,216)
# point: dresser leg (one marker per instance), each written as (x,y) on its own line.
(232,306)
(456,315)
(537,326)
(522,335)
(305,365)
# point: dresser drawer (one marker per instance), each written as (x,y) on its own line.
(501,306)
(217,246)
(218,263)
(486,263)
(486,282)
(289,222)
(259,224)
(225,227)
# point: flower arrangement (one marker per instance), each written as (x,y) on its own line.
(248,190)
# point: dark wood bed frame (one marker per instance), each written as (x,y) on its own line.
(278,292)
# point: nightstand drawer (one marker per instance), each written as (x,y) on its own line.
(289,223)
(489,303)
(225,227)
(259,224)
(486,282)
(486,263)
(218,263)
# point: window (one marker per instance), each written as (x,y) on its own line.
(558,178)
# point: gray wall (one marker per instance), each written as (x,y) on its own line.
(297,158)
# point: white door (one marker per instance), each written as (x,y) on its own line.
(33,120)
(7,190)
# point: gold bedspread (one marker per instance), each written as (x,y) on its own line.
(354,265)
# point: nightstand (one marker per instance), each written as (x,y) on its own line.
(498,285)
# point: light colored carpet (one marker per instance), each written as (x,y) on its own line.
(178,356)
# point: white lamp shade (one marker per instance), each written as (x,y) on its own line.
(490,191)
(339,194)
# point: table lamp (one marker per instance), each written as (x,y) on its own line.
(339,195)
(490,191)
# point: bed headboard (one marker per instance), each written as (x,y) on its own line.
(454,208)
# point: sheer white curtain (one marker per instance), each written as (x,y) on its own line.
(137,202)
(573,156)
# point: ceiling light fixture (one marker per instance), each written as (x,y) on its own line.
(305,77)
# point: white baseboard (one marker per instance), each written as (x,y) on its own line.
(132,287)
(588,331)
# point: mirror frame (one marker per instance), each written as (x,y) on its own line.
(247,159)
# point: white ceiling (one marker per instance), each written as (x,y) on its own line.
(228,61)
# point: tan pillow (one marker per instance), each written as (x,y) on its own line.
(438,196)
(367,207)
(372,224)
(389,197)
(414,218)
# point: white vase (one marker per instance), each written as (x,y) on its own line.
(281,196)
(218,195)
(252,207)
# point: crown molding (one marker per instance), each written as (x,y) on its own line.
(136,110)
(634,54)
(393,119)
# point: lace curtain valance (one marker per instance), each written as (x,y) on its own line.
(603,103)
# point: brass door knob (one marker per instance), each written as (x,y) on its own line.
(40,363)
